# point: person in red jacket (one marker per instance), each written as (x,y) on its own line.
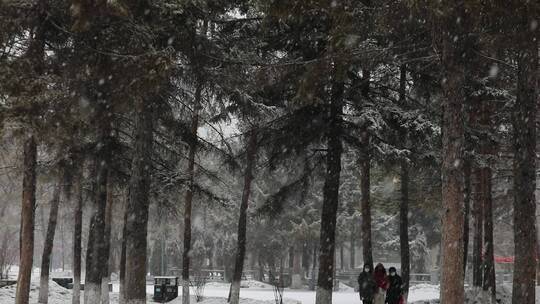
(381,279)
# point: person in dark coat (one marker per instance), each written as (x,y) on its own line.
(395,290)
(366,285)
(382,282)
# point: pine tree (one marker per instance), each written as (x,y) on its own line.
(453,24)
(137,208)
(49,241)
(36,56)
(251,153)
(77,230)
(524,131)
(27,221)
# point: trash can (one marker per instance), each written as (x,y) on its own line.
(165,289)
(65,282)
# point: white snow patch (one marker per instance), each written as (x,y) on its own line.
(57,293)
(243,284)
(344,287)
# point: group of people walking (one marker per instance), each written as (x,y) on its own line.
(376,287)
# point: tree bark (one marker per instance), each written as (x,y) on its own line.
(290,258)
(314,263)
(404,202)
(478,218)
(327,243)
(28,206)
(467,202)
(352,251)
(105,271)
(488,283)
(341,256)
(137,208)
(36,54)
(251,152)
(404,229)
(297,265)
(77,235)
(189,196)
(365,164)
(96,239)
(122,275)
(524,129)
(306,258)
(454,35)
(49,243)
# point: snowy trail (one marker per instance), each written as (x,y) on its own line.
(422,292)
(308,297)
(218,294)
(259,294)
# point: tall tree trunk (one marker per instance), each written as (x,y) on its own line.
(341,256)
(306,258)
(489,261)
(189,196)
(365,183)
(36,54)
(77,234)
(290,257)
(105,271)
(471,112)
(365,166)
(352,251)
(315,259)
(325,280)
(467,202)
(476,191)
(297,265)
(454,35)
(49,242)
(404,229)
(488,284)
(26,241)
(63,246)
(478,218)
(523,123)
(96,239)
(234,295)
(122,275)
(137,208)
(42,220)
(404,202)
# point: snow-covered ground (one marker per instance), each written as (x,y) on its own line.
(264,292)
(57,294)
(254,292)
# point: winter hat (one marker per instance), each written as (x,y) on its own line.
(367,266)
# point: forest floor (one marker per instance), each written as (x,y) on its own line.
(253,292)
(216,293)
